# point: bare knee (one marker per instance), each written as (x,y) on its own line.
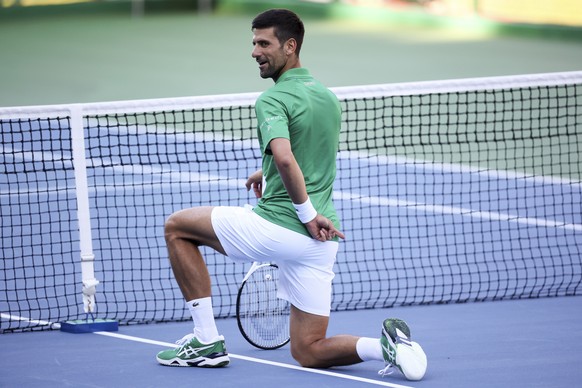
(303,358)
(171,227)
(193,225)
(308,338)
(186,223)
(306,355)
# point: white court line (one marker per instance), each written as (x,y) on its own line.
(245,358)
(456,168)
(372,200)
(9,317)
(439,209)
(260,361)
(188,177)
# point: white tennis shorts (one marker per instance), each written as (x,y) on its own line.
(305,264)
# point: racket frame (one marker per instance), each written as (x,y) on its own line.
(255,266)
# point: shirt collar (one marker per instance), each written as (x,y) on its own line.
(294,73)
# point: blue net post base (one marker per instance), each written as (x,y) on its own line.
(89,325)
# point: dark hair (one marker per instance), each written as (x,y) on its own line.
(286,23)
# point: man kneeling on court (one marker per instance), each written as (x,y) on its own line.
(294,223)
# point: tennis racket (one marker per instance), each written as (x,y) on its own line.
(263,319)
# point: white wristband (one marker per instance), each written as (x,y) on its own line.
(305,211)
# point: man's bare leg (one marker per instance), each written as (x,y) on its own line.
(311,348)
(185,232)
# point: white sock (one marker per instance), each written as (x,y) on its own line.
(369,349)
(203,317)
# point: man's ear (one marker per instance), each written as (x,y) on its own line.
(290,46)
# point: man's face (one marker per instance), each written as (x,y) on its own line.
(268,52)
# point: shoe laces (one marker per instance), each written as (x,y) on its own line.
(386,371)
(184,340)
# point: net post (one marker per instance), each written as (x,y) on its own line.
(85,236)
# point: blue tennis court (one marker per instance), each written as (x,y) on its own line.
(423,236)
(518,343)
(461,202)
(420,229)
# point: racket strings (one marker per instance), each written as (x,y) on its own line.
(263,316)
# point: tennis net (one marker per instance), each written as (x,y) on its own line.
(448,191)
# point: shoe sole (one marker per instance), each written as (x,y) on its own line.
(400,325)
(217,361)
(411,360)
(408,356)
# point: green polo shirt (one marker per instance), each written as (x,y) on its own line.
(300,109)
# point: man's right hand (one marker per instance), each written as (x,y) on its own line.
(255,182)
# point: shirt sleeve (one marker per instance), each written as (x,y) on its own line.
(272,119)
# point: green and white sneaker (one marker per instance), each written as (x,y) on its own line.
(191,352)
(400,351)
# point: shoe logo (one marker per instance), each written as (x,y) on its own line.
(190,351)
(391,353)
(404,341)
(402,338)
